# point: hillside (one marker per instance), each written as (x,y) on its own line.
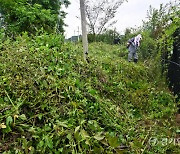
(51,101)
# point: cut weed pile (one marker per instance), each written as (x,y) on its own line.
(53,102)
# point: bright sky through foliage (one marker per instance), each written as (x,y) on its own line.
(130,14)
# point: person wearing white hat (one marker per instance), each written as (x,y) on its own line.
(133,45)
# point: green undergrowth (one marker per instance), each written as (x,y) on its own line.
(51,101)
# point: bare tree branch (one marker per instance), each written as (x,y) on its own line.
(100,14)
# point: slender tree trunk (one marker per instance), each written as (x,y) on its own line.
(84,31)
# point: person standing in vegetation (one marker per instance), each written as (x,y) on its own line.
(132,46)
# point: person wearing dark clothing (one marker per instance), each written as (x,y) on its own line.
(116,41)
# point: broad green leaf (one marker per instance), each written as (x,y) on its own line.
(113,141)
(63,124)
(49,142)
(178,131)
(84,134)
(69,136)
(99,136)
(76,129)
(41,143)
(31,129)
(9,120)
(23,117)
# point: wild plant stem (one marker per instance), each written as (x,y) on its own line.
(10,99)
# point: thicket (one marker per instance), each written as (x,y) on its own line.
(107,37)
(163,23)
(32,15)
(53,102)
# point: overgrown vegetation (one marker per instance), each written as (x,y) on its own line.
(32,15)
(52,102)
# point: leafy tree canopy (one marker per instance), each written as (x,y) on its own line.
(31,15)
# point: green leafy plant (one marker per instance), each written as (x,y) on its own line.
(53,102)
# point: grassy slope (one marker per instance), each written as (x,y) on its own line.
(51,101)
